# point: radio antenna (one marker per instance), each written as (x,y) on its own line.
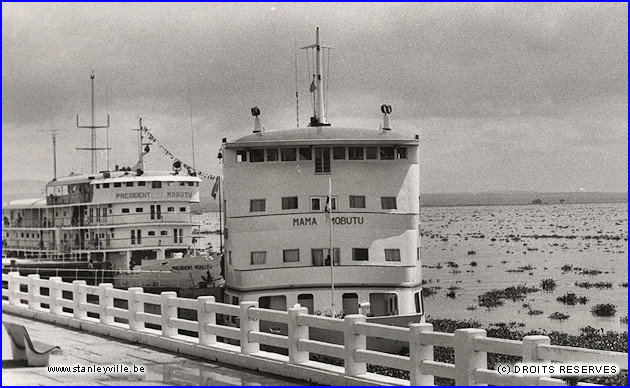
(93,148)
(297,99)
(192,129)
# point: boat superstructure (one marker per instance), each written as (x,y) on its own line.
(295,196)
(117,218)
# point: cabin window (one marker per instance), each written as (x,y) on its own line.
(321,257)
(305,153)
(371,152)
(139,236)
(387,153)
(416,298)
(142,183)
(170,209)
(98,186)
(151,233)
(306,300)
(164,233)
(117,184)
(388,203)
(139,210)
(182,183)
(339,153)
(357,201)
(272,154)
(257,205)
(355,153)
(156,185)
(360,254)
(289,203)
(315,203)
(392,254)
(418,253)
(401,153)
(125,210)
(133,237)
(182,209)
(291,255)
(256,156)
(288,154)
(193,183)
(170,183)
(258,258)
(322,159)
(241,156)
(106,185)
(129,184)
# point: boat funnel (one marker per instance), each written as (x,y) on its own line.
(387,110)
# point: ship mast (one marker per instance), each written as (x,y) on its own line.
(93,148)
(319,118)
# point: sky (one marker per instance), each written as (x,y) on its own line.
(503,96)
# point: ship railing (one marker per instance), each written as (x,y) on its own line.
(158,320)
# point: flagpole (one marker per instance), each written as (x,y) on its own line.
(220,218)
(331,253)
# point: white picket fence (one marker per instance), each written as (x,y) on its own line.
(470,345)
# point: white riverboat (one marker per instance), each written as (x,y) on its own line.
(278,185)
(124,219)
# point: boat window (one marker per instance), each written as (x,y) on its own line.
(142,183)
(418,253)
(156,185)
(257,205)
(339,153)
(272,154)
(306,300)
(305,153)
(288,154)
(182,209)
(171,209)
(170,183)
(139,236)
(388,203)
(360,254)
(387,153)
(289,203)
(164,233)
(322,159)
(139,210)
(416,297)
(98,186)
(371,152)
(106,185)
(129,184)
(151,233)
(357,201)
(193,183)
(392,254)
(241,156)
(315,203)
(256,156)
(258,258)
(182,183)
(133,236)
(291,255)
(401,153)
(355,153)
(321,256)
(117,184)
(125,210)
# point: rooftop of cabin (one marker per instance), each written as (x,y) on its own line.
(324,135)
(25,203)
(123,176)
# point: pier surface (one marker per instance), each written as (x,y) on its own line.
(79,348)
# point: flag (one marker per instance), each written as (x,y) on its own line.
(313,87)
(328,207)
(215,188)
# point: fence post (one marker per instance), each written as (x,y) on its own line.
(204,318)
(467,360)
(248,325)
(79,296)
(134,306)
(353,342)
(14,288)
(296,333)
(33,292)
(530,353)
(104,302)
(419,352)
(168,311)
(55,292)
